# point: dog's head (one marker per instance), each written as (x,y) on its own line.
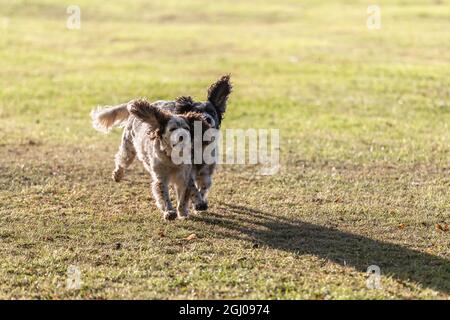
(213,110)
(171,129)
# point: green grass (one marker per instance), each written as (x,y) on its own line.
(364,122)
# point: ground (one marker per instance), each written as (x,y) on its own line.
(364,123)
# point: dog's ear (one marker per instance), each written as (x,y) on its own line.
(184,104)
(192,117)
(218,94)
(154,116)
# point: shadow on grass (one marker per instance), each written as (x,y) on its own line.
(340,247)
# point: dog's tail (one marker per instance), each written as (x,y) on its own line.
(103,119)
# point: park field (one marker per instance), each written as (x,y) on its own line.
(364,179)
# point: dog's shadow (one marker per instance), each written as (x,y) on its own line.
(340,247)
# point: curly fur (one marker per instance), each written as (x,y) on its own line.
(218,94)
(155,117)
(184,104)
(210,112)
(154,151)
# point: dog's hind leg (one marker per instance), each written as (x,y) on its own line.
(124,157)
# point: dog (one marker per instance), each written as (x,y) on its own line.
(152,134)
(213,111)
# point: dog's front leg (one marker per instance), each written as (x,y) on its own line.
(160,191)
(203,182)
(183,188)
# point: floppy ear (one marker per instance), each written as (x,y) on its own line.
(154,116)
(191,117)
(184,104)
(218,94)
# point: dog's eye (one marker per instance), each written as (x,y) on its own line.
(210,121)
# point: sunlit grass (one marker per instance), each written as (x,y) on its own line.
(363,116)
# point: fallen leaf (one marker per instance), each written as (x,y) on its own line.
(443,228)
(161,234)
(401,226)
(191,237)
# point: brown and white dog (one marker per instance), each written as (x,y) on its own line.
(161,118)
(152,134)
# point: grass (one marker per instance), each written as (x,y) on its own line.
(364,123)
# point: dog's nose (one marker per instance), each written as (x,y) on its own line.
(203,206)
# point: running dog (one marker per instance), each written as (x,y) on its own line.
(212,111)
(152,134)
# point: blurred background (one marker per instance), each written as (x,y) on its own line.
(313,68)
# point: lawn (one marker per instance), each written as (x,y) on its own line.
(365,150)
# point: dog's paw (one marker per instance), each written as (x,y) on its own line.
(118,174)
(182,214)
(201,206)
(170,215)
